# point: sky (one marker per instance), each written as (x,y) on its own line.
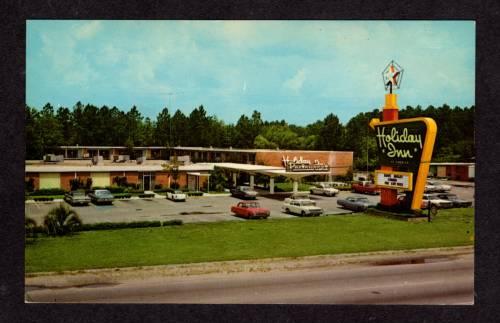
(299,71)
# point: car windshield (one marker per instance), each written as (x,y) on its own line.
(78,193)
(307,203)
(452,196)
(362,199)
(103,192)
(244,188)
(177,192)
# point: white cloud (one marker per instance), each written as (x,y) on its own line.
(88,29)
(67,63)
(297,81)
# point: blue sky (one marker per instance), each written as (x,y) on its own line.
(299,71)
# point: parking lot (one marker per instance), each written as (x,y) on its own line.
(197,209)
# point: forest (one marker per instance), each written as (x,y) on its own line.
(104,126)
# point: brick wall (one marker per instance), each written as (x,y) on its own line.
(162,178)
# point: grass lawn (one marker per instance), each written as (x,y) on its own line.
(246,240)
(288,187)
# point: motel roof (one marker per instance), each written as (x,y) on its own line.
(60,168)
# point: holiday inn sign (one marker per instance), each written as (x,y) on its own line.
(407,145)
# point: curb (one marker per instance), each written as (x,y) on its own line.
(117,275)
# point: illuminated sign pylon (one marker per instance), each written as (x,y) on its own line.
(404,146)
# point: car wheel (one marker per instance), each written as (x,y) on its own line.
(303,213)
(287,210)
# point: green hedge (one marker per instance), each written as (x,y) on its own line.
(47,191)
(125,225)
(147,195)
(194,193)
(122,195)
(118,225)
(115,189)
(42,198)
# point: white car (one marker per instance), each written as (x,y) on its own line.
(435,201)
(324,189)
(302,208)
(433,186)
(299,197)
(176,195)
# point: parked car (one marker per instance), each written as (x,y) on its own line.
(435,201)
(302,208)
(433,186)
(324,189)
(365,187)
(244,192)
(407,204)
(77,198)
(355,203)
(250,210)
(340,185)
(176,195)
(101,197)
(457,202)
(299,197)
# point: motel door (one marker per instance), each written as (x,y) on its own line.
(147,181)
(193,182)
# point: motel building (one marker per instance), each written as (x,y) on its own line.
(146,165)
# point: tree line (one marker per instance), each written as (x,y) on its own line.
(104,126)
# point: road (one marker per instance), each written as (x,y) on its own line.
(441,280)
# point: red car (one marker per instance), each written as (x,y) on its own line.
(250,210)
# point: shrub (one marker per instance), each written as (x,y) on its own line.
(134,191)
(76,183)
(43,198)
(61,220)
(158,187)
(48,191)
(88,183)
(122,195)
(120,181)
(115,189)
(29,227)
(174,185)
(146,195)
(197,193)
(126,225)
(29,185)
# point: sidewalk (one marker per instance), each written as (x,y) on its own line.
(118,275)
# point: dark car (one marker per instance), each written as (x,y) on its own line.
(244,192)
(77,198)
(355,203)
(457,202)
(101,197)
